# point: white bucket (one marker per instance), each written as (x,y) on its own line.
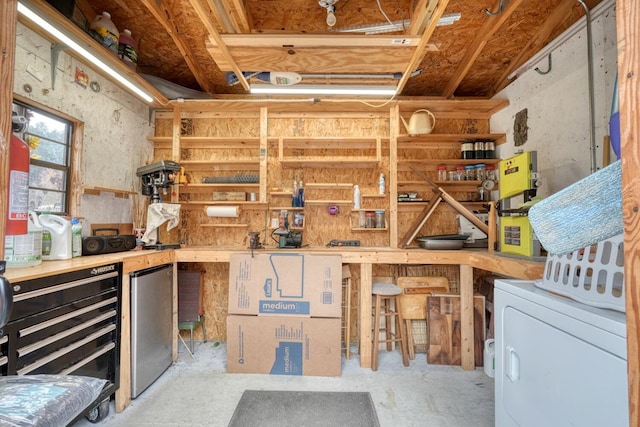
(24,250)
(60,231)
(490,358)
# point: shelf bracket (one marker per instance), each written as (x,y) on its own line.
(56,48)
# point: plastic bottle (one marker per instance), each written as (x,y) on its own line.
(105,32)
(25,250)
(381,184)
(128,49)
(60,232)
(301,195)
(294,194)
(76,237)
(356,197)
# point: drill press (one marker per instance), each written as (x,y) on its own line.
(158,177)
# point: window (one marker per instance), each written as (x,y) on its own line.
(49,140)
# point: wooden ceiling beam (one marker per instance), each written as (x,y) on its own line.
(214,35)
(238,13)
(420,49)
(559,15)
(492,25)
(166,18)
(223,15)
(318,40)
(422,15)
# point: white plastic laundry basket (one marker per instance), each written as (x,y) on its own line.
(593,275)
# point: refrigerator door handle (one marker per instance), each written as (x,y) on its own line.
(6,301)
(512,364)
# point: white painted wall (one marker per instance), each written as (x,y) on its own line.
(558,106)
(116,124)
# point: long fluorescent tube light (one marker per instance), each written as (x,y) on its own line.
(388,27)
(63,38)
(324,90)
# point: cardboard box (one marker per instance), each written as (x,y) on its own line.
(284,345)
(285,283)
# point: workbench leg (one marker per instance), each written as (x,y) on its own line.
(364,323)
(123,394)
(466,316)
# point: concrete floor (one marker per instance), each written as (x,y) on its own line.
(196,391)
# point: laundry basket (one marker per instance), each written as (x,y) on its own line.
(593,275)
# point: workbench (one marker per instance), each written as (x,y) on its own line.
(366,257)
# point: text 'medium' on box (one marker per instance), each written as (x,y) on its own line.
(284,345)
(285,284)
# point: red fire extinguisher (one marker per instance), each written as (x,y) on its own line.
(18,203)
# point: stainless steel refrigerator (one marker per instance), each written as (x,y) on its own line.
(151,325)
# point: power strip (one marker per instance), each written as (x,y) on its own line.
(344,243)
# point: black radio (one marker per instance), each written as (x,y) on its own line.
(96,245)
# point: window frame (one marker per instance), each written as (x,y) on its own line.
(73,190)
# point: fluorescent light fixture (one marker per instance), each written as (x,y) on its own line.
(389,27)
(324,90)
(68,41)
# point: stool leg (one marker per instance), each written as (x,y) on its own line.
(191,339)
(400,324)
(388,333)
(376,334)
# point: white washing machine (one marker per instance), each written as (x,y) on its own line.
(558,362)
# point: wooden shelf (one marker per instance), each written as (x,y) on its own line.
(200,204)
(405,165)
(332,163)
(424,141)
(204,188)
(206,142)
(332,156)
(328,186)
(220,165)
(286,208)
(328,202)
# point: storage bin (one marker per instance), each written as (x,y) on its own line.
(593,275)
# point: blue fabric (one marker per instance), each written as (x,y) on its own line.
(584,213)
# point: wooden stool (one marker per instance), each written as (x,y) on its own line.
(384,293)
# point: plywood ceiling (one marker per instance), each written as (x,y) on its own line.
(193,43)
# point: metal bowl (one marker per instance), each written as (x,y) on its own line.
(443,241)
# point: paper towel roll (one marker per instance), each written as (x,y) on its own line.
(223,211)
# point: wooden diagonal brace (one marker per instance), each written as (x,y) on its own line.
(440,195)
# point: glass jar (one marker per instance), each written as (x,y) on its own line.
(370,220)
(452,176)
(379,219)
(490,173)
(362,221)
(467,150)
(459,173)
(480,172)
(482,194)
(469,173)
(478,148)
(442,173)
(489,150)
